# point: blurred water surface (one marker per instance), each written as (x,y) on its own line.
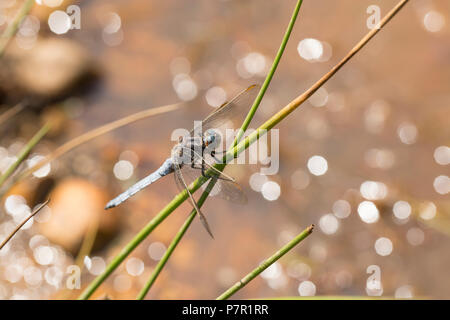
(365,159)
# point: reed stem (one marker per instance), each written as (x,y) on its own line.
(263,266)
(14,25)
(243,145)
(24,153)
(244,127)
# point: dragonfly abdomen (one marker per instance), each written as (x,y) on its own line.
(166,168)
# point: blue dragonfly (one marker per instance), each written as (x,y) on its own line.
(196,154)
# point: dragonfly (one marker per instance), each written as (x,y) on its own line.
(196,153)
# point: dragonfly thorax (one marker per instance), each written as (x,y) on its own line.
(188,150)
(191,149)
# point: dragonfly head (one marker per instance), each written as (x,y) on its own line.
(212,138)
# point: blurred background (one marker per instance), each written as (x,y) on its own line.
(365,159)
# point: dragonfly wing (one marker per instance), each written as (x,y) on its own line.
(225,186)
(230,191)
(228,114)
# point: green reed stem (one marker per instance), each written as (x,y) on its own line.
(175,242)
(12,27)
(24,153)
(294,104)
(263,266)
(243,145)
(167,255)
(244,127)
(269,76)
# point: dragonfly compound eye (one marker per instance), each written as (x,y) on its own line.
(212,138)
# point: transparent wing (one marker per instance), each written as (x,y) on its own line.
(230,113)
(193,172)
(228,190)
(224,188)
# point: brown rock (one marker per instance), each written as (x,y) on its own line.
(49,69)
(77,205)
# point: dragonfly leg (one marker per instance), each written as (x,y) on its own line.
(224,178)
(214,152)
(218,152)
(203,167)
(220,177)
(219,174)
